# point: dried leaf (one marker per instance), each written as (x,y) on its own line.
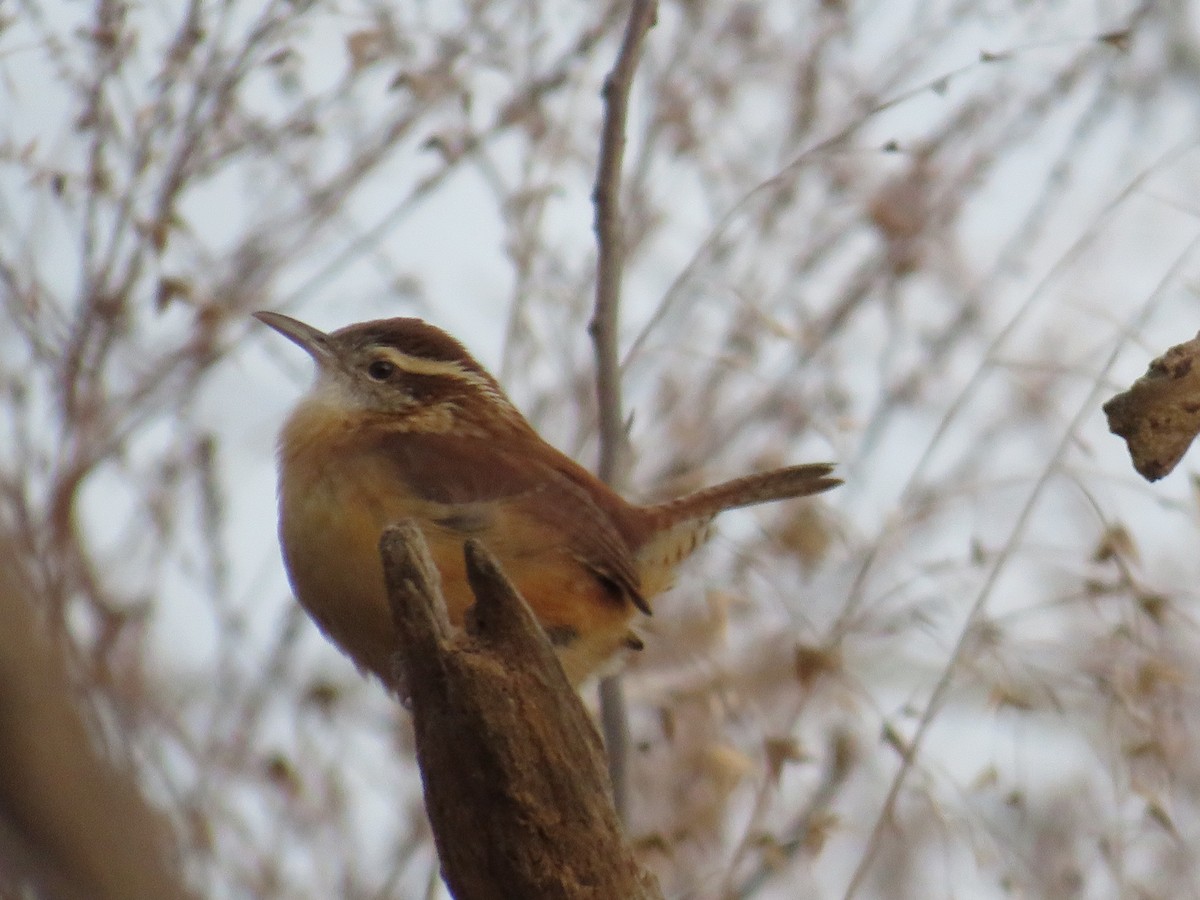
(1011,697)
(780,751)
(282,774)
(806,534)
(1155,674)
(1118,39)
(1159,415)
(726,766)
(1154,606)
(169,289)
(895,740)
(773,856)
(819,830)
(281,56)
(988,778)
(812,663)
(1159,815)
(364,48)
(654,842)
(1115,543)
(666,721)
(323,695)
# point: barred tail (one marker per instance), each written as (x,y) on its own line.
(779,484)
(680,526)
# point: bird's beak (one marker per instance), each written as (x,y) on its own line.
(315,343)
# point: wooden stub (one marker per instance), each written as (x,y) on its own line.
(516,785)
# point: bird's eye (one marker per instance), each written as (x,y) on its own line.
(381,370)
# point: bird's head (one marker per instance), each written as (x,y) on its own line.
(403,368)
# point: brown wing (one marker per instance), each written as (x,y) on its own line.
(478,479)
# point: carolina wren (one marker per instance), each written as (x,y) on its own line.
(403,423)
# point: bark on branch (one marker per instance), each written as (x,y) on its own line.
(516,787)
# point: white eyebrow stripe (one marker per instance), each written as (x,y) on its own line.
(443,368)
(420,365)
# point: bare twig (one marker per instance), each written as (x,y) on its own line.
(807,824)
(610,258)
(515,782)
(610,250)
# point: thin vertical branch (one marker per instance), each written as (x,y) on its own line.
(610,259)
(610,255)
(614,724)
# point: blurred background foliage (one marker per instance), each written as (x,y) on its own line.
(925,239)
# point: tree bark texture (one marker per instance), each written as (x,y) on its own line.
(516,784)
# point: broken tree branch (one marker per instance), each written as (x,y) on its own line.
(516,787)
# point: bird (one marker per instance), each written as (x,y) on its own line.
(402,423)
